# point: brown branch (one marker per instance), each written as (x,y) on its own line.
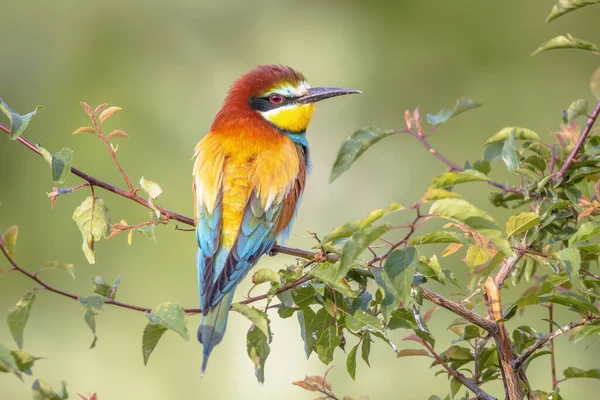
(459,310)
(506,268)
(552,353)
(582,137)
(520,360)
(133,196)
(472,386)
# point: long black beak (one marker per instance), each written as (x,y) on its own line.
(322,93)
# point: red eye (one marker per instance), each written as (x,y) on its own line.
(276,98)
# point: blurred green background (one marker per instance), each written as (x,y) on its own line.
(169,64)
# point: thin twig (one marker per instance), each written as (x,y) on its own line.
(520,360)
(552,354)
(582,137)
(472,386)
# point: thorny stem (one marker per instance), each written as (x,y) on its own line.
(582,137)
(472,386)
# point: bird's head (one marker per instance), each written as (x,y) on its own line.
(277,94)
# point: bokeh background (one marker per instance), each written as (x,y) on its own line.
(168,64)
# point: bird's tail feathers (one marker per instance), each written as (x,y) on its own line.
(212,328)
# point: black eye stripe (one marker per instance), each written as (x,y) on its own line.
(264,103)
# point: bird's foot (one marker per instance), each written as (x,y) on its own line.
(273,250)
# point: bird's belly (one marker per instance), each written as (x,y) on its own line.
(236,189)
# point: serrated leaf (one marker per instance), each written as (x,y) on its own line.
(563,7)
(412,352)
(256,316)
(257,345)
(107,113)
(351,362)
(10,239)
(60,163)
(439,194)
(61,266)
(358,242)
(521,222)
(18,316)
(463,104)
(459,210)
(586,231)
(117,133)
(354,146)
(152,188)
(477,255)
(93,223)
(43,391)
(401,266)
(90,320)
(85,129)
(327,273)
(455,177)
(150,338)
(573,372)
(566,42)
(576,109)
(265,275)
(361,320)
(326,344)
(572,261)
(172,317)
(17,123)
(520,134)
(438,237)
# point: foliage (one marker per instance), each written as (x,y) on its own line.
(359,284)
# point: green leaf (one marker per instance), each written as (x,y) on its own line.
(463,104)
(509,153)
(401,266)
(565,6)
(572,261)
(95,302)
(459,210)
(305,318)
(576,302)
(391,298)
(90,320)
(104,289)
(573,372)
(477,255)
(351,362)
(265,275)
(358,242)
(257,344)
(61,266)
(354,146)
(152,188)
(521,222)
(150,338)
(520,134)
(24,360)
(304,296)
(455,177)
(439,194)
(566,42)
(43,391)
(438,237)
(326,344)
(17,123)
(10,239)
(586,231)
(93,223)
(342,231)
(328,274)
(576,109)
(148,230)
(8,362)
(172,317)
(361,320)
(455,386)
(365,349)
(18,315)
(60,163)
(493,151)
(256,316)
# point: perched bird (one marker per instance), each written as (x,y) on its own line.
(249,176)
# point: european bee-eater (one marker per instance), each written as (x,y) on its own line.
(249,176)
